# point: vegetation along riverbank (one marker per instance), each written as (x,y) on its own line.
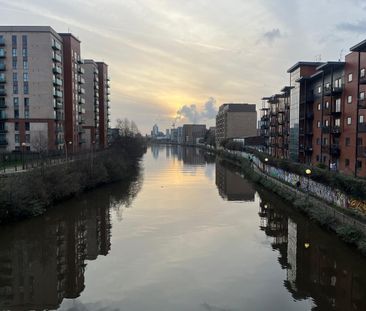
(30,193)
(348,226)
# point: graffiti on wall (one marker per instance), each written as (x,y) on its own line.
(357,205)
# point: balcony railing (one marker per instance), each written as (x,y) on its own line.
(335,90)
(2,41)
(326,129)
(56,45)
(2,92)
(3,116)
(2,54)
(57,93)
(363,80)
(81,70)
(361,151)
(310,115)
(362,127)
(2,67)
(81,90)
(2,79)
(57,104)
(81,100)
(362,103)
(57,57)
(3,129)
(335,150)
(57,70)
(3,142)
(336,130)
(57,81)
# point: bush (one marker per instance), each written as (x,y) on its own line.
(349,234)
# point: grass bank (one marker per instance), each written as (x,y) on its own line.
(315,209)
(31,193)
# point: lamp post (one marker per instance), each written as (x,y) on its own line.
(308,173)
(66,150)
(266,161)
(23,150)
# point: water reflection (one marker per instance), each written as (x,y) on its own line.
(43,260)
(318,265)
(231,185)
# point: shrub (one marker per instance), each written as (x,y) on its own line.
(349,234)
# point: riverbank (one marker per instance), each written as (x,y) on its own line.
(350,228)
(32,192)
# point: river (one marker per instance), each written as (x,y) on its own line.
(188,233)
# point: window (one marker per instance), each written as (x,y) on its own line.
(319,106)
(27,138)
(26,108)
(16,102)
(326,123)
(350,76)
(27,126)
(359,141)
(26,87)
(25,77)
(17,138)
(349,99)
(25,65)
(325,141)
(318,124)
(14,52)
(317,157)
(362,73)
(338,104)
(348,141)
(14,63)
(14,41)
(324,159)
(338,83)
(16,126)
(359,164)
(15,76)
(326,105)
(337,122)
(361,119)
(319,89)
(16,113)
(346,162)
(362,95)
(318,141)
(349,120)
(15,88)
(24,41)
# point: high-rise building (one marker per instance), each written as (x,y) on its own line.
(193,132)
(74,92)
(31,89)
(235,121)
(104,103)
(91,126)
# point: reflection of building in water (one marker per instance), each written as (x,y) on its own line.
(155,151)
(193,156)
(232,186)
(39,267)
(318,266)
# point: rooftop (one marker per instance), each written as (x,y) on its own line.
(29,29)
(359,47)
(235,107)
(300,64)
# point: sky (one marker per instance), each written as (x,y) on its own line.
(178,61)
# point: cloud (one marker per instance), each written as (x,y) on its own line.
(195,115)
(272,35)
(357,27)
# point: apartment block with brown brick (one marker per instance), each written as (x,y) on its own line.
(31,89)
(74,93)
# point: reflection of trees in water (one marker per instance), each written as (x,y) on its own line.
(128,192)
(318,265)
(43,260)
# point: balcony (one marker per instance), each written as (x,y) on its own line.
(56,45)
(361,151)
(309,150)
(2,67)
(81,111)
(59,116)
(57,70)
(81,130)
(81,80)
(80,61)
(81,70)
(309,133)
(3,129)
(363,80)
(2,79)
(336,130)
(3,105)
(81,120)
(81,101)
(362,103)
(81,90)
(57,81)
(57,93)
(3,116)
(2,92)
(2,53)
(57,104)
(3,142)
(57,58)
(82,141)
(325,148)
(335,90)
(325,129)
(362,127)
(309,115)
(2,42)
(335,150)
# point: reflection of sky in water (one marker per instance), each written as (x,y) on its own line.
(180,248)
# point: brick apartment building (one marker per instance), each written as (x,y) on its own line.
(236,121)
(192,132)
(327,117)
(42,94)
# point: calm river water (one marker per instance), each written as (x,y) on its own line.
(189,233)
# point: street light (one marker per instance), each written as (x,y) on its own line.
(266,161)
(308,173)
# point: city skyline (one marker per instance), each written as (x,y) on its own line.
(165,55)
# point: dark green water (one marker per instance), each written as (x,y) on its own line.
(188,234)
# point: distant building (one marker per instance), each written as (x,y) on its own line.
(236,121)
(192,133)
(174,135)
(180,135)
(155,131)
